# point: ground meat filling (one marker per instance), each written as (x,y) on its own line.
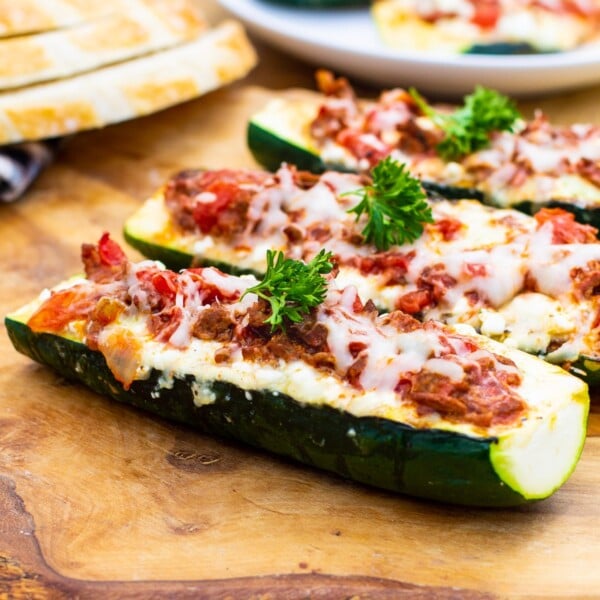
(432,285)
(214,323)
(305,341)
(371,134)
(215,202)
(565,230)
(590,170)
(103,262)
(483,397)
(586,281)
(393,264)
(218,203)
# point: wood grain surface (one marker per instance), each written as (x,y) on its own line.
(98,500)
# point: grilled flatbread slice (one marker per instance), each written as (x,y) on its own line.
(27,16)
(131,89)
(140,28)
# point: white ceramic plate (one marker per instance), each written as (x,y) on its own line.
(347,42)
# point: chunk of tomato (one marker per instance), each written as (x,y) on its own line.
(110,252)
(487,13)
(565,230)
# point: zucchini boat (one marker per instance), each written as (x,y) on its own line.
(532,283)
(414,408)
(537,165)
(486,27)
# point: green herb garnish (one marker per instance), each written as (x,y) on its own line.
(467,129)
(395,204)
(292,287)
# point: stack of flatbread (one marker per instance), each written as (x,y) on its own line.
(69,65)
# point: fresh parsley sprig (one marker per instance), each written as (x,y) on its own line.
(468,128)
(292,287)
(395,204)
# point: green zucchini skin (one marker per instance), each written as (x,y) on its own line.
(270,151)
(451,192)
(432,464)
(505,49)
(176,259)
(587,368)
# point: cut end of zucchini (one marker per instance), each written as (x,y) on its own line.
(536,463)
(150,232)
(537,457)
(279,133)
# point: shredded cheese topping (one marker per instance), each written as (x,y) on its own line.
(471,263)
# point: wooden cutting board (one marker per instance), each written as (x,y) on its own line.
(99,500)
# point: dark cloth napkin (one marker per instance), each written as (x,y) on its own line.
(20,164)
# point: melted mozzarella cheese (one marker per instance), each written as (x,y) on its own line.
(551,264)
(492,256)
(446,368)
(428,7)
(388,353)
(266,211)
(319,203)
